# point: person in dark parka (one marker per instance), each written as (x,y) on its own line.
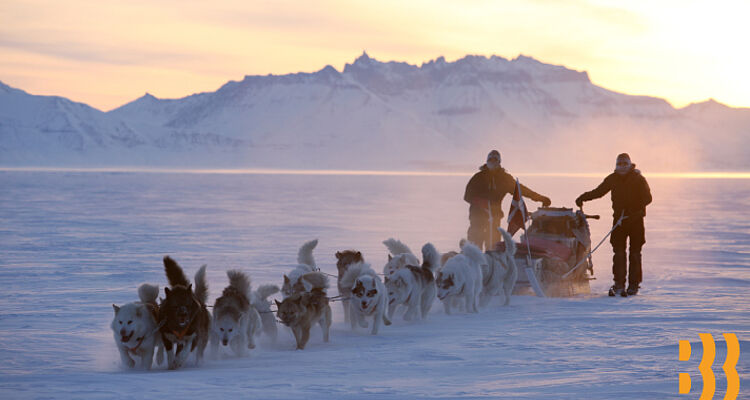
(630,195)
(485,192)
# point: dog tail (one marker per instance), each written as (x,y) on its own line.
(396,247)
(148,293)
(239,281)
(174,272)
(266,290)
(430,257)
(305,256)
(314,280)
(471,251)
(510,245)
(511,273)
(201,286)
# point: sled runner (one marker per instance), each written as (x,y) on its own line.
(560,242)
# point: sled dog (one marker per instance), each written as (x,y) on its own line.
(499,272)
(399,257)
(136,329)
(447,256)
(302,310)
(259,300)
(461,278)
(343,260)
(414,286)
(369,297)
(235,322)
(306,263)
(310,281)
(184,318)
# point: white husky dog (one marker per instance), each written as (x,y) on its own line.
(499,272)
(259,300)
(235,322)
(369,297)
(306,263)
(414,286)
(136,330)
(461,278)
(399,257)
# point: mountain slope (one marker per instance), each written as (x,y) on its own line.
(386,116)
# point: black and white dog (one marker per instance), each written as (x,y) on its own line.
(414,286)
(343,260)
(369,297)
(461,279)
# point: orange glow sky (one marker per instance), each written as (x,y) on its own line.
(108,52)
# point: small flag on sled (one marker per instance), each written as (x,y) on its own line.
(517,215)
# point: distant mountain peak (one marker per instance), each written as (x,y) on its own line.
(363,59)
(708,105)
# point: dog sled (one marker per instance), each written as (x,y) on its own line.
(553,258)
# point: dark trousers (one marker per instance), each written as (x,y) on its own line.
(632,227)
(479,230)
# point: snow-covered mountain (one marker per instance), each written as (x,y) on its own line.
(384,116)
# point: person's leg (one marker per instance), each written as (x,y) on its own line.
(496,236)
(478,229)
(637,239)
(619,260)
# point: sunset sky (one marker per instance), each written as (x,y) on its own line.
(108,52)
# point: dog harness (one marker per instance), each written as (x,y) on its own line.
(134,350)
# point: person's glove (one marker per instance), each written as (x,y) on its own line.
(579,202)
(546,201)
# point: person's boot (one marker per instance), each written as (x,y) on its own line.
(617,290)
(633,290)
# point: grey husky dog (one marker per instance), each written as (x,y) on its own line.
(136,329)
(399,257)
(259,300)
(499,273)
(184,319)
(305,264)
(235,321)
(414,286)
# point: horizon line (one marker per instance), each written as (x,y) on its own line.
(278,171)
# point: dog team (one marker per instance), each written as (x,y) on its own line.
(181,325)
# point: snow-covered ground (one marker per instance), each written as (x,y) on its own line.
(71,244)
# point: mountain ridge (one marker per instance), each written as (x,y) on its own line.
(373,114)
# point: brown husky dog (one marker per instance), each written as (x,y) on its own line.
(301,310)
